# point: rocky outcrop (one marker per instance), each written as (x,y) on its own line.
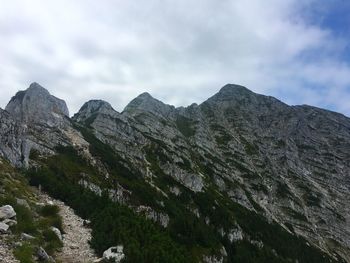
(11,138)
(35,120)
(290,162)
(37,105)
(145,103)
(115,254)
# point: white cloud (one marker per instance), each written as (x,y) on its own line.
(179,51)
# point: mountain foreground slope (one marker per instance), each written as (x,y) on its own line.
(241,177)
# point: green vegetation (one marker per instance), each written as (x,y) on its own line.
(112,223)
(31,219)
(250,148)
(223,139)
(24,253)
(313,199)
(283,190)
(187,237)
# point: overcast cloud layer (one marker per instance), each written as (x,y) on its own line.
(180,51)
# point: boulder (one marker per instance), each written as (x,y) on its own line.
(114,253)
(7,212)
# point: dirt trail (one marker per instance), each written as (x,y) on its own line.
(76,248)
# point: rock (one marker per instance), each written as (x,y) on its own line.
(92,107)
(115,253)
(7,212)
(160,218)
(74,246)
(146,103)
(10,222)
(86,222)
(25,236)
(235,234)
(3,228)
(37,105)
(57,232)
(11,138)
(43,256)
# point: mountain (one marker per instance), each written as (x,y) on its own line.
(241,177)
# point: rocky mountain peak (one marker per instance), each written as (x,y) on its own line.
(93,107)
(37,105)
(232,92)
(234,89)
(146,103)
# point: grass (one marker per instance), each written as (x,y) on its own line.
(31,219)
(24,253)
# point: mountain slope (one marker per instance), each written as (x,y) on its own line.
(241,177)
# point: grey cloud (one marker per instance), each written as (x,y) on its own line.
(179,51)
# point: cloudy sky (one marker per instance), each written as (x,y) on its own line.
(180,51)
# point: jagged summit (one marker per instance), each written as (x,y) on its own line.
(146,103)
(229,89)
(37,105)
(240,177)
(145,95)
(93,107)
(233,92)
(96,105)
(37,86)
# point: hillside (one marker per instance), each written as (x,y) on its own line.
(241,177)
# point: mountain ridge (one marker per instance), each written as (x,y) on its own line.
(288,164)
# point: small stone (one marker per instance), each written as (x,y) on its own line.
(43,256)
(25,236)
(74,246)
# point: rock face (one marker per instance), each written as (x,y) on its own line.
(11,142)
(35,120)
(290,164)
(290,161)
(37,105)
